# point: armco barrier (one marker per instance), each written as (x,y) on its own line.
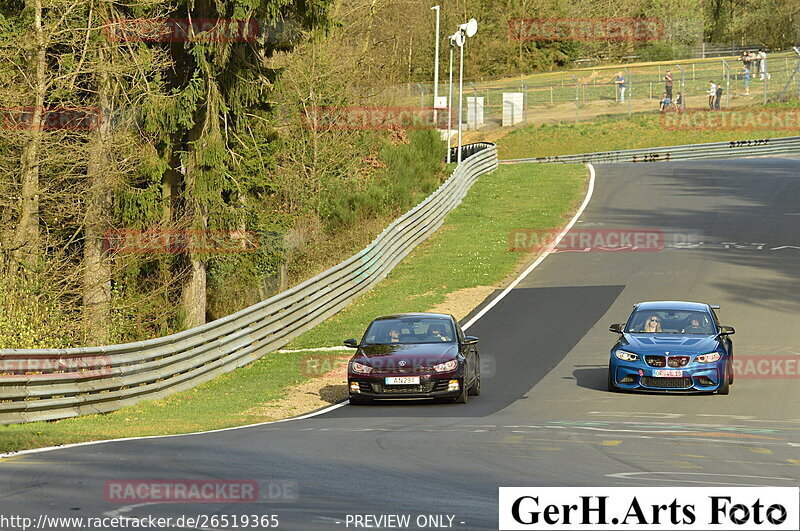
(46,384)
(714,150)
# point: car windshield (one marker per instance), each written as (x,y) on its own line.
(409,330)
(671,322)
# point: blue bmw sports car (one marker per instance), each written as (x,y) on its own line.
(671,346)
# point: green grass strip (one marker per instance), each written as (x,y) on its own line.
(470,250)
(615,132)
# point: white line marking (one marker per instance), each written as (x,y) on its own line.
(87,443)
(292,351)
(629,475)
(340,404)
(544,255)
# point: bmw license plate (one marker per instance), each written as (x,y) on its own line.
(402,380)
(668,374)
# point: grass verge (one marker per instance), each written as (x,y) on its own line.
(470,250)
(616,132)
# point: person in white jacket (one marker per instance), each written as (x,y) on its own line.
(712,94)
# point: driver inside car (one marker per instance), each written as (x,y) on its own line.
(694,327)
(435,334)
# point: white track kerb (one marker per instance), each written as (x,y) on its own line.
(472,321)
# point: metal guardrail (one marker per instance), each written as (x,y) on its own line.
(714,150)
(78,381)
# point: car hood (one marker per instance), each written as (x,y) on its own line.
(672,343)
(422,354)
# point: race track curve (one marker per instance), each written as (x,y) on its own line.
(544,418)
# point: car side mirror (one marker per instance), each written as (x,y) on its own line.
(726,330)
(617,328)
(470,340)
(352,343)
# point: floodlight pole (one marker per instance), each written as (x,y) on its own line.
(436,68)
(450,104)
(460,95)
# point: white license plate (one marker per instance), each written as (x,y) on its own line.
(668,374)
(402,380)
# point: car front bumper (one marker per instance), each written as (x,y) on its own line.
(430,386)
(695,377)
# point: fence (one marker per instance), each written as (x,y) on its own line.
(47,384)
(714,150)
(585,93)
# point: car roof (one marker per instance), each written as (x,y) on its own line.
(420,315)
(672,305)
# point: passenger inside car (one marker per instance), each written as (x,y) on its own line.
(652,324)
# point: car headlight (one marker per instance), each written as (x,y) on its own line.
(708,358)
(626,356)
(446,366)
(360,368)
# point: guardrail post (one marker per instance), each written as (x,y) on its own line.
(629,81)
(524,101)
(726,75)
(577,96)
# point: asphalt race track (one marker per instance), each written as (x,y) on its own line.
(544,419)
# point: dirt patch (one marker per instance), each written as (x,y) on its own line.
(460,303)
(319,392)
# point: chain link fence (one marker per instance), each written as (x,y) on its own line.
(587,93)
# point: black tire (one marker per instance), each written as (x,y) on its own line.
(612,387)
(725,388)
(730,372)
(475,390)
(463,396)
(359,401)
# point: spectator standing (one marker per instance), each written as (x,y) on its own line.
(712,94)
(762,63)
(746,75)
(718,97)
(620,81)
(756,63)
(668,83)
(746,59)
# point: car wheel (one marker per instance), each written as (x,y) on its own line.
(730,372)
(725,388)
(612,387)
(463,396)
(359,401)
(475,390)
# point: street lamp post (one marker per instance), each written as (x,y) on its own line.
(464,31)
(451,39)
(436,68)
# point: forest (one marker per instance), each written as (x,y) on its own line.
(157,166)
